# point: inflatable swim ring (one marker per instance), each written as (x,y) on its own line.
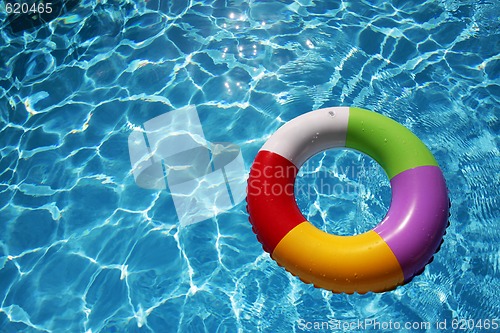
(389,255)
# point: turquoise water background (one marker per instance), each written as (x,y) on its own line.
(84,249)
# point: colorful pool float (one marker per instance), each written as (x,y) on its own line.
(392,253)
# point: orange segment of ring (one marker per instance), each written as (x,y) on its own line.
(348,264)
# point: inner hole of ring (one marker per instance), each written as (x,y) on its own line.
(343,192)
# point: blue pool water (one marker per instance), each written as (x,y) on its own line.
(84,249)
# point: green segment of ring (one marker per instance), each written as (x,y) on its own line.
(392,145)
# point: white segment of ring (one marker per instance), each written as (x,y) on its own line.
(313,132)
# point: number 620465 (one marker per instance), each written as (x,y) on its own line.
(26,8)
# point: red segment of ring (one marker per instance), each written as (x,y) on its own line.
(270,195)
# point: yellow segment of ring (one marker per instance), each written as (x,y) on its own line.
(358,263)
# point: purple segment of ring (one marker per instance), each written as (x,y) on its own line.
(417,219)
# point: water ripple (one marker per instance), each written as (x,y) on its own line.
(83,248)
